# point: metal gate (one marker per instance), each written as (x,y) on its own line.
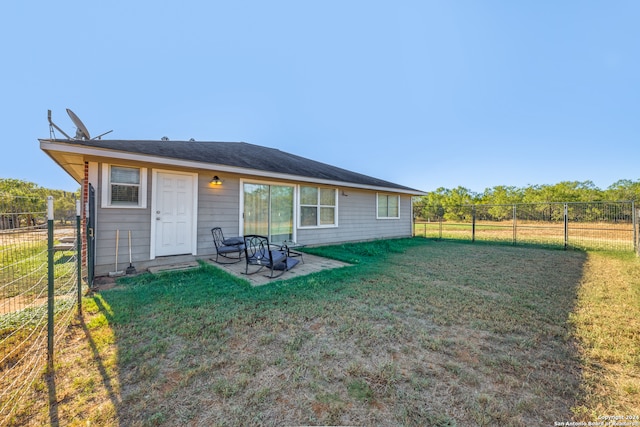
(91,239)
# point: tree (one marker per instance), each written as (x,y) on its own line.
(431,206)
(565,191)
(64,208)
(457,204)
(502,199)
(624,189)
(502,195)
(29,198)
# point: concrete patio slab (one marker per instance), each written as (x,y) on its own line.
(308,264)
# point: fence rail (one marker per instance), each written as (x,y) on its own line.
(39,292)
(589,226)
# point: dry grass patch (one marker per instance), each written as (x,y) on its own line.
(607,323)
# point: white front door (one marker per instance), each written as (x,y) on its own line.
(173,215)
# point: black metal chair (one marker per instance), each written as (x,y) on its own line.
(259,253)
(231,249)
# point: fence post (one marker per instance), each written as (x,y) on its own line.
(50,279)
(473,223)
(636,237)
(79,257)
(515,226)
(566,226)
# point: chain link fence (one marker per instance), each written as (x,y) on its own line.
(588,226)
(39,291)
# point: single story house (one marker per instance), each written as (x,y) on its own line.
(169,194)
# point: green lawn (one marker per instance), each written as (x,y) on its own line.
(416,332)
(23,267)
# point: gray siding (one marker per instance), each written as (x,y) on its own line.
(219,207)
(108,220)
(357,221)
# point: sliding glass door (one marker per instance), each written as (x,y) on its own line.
(268,211)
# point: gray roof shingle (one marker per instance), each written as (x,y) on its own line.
(242,155)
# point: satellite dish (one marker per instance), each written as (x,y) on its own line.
(81,132)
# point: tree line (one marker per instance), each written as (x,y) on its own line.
(21,201)
(450,203)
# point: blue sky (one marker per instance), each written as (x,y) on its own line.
(423,93)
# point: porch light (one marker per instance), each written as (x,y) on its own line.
(215,180)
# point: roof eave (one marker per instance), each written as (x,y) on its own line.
(72,163)
(51,147)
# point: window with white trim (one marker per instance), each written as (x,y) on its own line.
(318,207)
(124,186)
(388,206)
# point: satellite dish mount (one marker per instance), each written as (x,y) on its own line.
(81,130)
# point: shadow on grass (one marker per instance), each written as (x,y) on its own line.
(54,418)
(416,331)
(65,258)
(97,358)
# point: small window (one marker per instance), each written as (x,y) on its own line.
(124,187)
(318,207)
(388,206)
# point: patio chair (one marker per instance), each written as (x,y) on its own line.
(231,249)
(258,252)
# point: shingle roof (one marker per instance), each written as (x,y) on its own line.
(242,155)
